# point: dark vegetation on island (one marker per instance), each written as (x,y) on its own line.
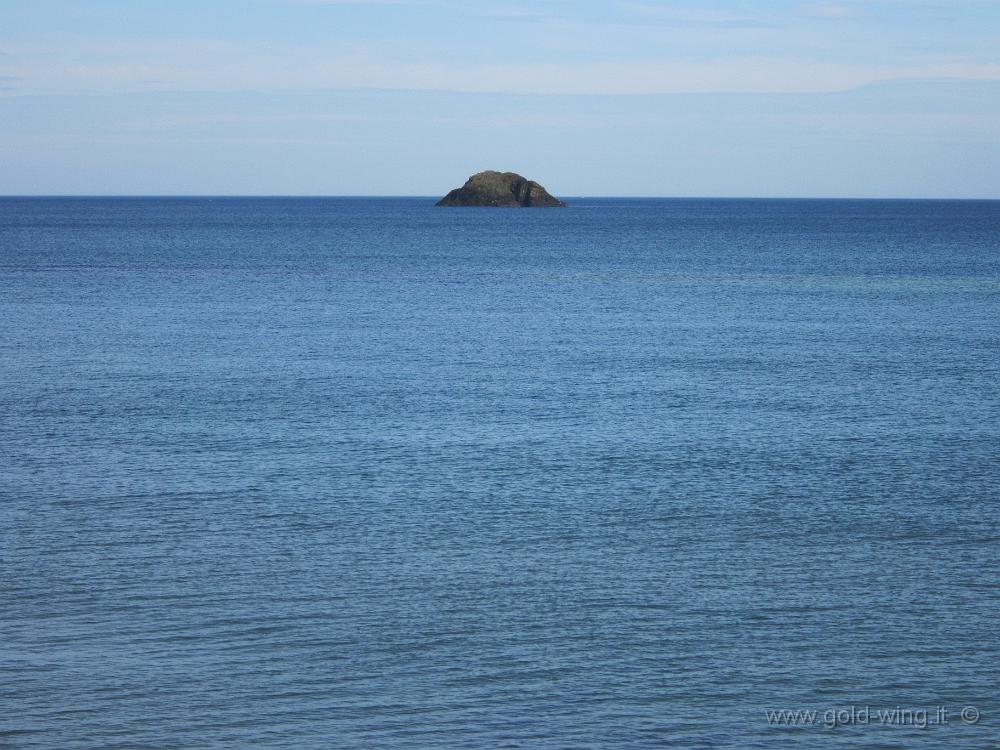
(501,190)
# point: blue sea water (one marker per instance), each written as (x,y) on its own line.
(365,473)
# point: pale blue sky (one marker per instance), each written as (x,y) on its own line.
(408,97)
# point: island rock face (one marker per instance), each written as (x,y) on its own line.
(500,189)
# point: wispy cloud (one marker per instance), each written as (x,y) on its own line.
(829,10)
(278,69)
(626,47)
(228,121)
(693,17)
(365,2)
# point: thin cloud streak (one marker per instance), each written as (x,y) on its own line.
(282,73)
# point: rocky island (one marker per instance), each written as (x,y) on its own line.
(502,190)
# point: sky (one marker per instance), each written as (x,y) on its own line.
(776,98)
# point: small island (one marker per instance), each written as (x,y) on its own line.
(501,190)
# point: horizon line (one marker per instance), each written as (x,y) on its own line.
(389,196)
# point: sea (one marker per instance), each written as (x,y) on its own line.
(310,473)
